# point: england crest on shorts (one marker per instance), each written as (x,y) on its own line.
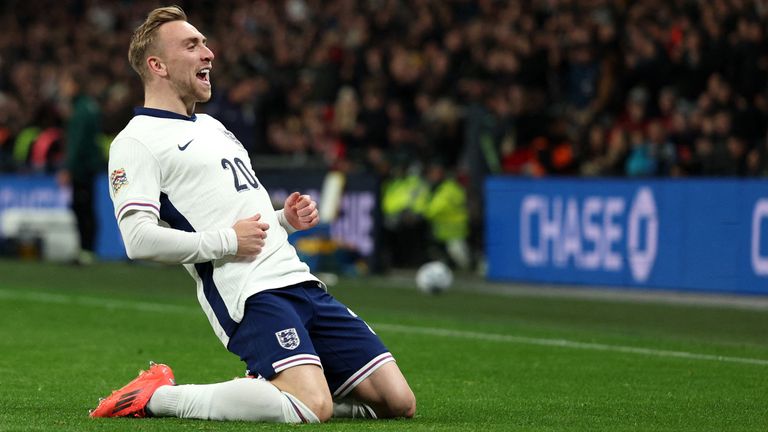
(288,338)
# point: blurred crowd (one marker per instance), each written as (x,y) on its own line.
(538,87)
(530,87)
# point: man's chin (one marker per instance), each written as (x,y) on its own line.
(204,97)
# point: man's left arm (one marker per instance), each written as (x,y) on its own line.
(299,213)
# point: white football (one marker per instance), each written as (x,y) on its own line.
(434,277)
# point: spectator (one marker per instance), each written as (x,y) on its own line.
(757,159)
(404,201)
(239,109)
(593,155)
(446,212)
(618,152)
(664,151)
(642,160)
(84,158)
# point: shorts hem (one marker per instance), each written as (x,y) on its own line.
(362,374)
(296,360)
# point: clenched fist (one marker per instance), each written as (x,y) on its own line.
(251,233)
(301,211)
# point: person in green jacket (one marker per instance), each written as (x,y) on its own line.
(403,202)
(448,217)
(83,159)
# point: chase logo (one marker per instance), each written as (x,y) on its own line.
(591,233)
(759,245)
(642,249)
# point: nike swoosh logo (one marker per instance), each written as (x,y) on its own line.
(184,147)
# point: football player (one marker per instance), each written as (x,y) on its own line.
(184,192)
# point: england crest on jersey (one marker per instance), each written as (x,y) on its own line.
(288,338)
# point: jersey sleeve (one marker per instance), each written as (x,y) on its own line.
(284,221)
(145,239)
(134,178)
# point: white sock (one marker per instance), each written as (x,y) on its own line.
(240,399)
(352,409)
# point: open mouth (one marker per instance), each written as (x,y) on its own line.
(204,75)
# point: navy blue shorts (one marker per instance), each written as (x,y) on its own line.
(303,324)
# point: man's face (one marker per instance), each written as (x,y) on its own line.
(188,60)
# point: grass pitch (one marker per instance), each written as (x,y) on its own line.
(475,361)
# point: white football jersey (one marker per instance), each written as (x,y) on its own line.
(195,176)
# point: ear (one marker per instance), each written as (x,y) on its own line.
(156,66)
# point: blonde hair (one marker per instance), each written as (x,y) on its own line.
(144,36)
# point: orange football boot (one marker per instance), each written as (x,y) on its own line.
(132,399)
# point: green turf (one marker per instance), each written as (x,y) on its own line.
(69,335)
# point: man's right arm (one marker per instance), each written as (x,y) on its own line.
(146,239)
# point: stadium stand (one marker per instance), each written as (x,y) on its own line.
(600,87)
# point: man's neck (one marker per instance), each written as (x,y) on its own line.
(165,99)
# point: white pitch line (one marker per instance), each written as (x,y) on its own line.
(79,300)
(398,328)
(563,343)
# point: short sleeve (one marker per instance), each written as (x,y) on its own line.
(134,178)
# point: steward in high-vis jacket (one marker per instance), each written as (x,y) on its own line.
(448,216)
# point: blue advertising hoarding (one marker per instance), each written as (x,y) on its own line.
(683,234)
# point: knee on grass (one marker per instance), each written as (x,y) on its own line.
(321,405)
(402,405)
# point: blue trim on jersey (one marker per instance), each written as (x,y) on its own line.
(154,112)
(170,214)
(205,271)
